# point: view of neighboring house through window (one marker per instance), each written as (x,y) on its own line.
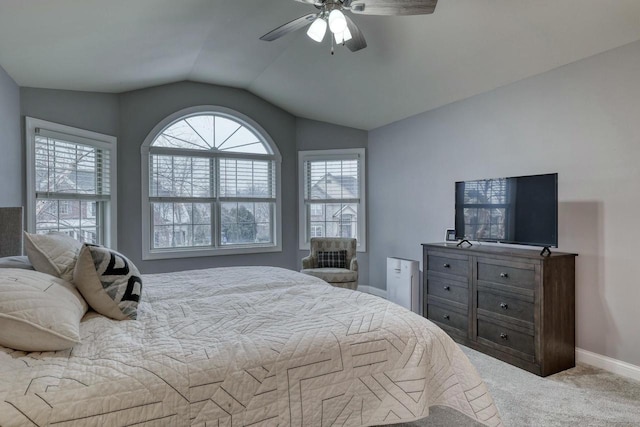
(70,182)
(212,187)
(332,194)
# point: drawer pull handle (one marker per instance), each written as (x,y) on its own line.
(447,288)
(504,336)
(504,305)
(504,275)
(446,317)
(445,265)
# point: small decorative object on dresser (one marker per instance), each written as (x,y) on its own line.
(450,235)
(512,304)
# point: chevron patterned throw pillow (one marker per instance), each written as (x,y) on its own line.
(108,281)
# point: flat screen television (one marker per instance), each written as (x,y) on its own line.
(518,210)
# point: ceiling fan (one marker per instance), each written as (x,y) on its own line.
(331,13)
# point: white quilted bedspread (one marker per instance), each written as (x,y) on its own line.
(250,346)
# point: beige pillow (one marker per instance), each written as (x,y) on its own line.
(38,312)
(53,253)
(109,282)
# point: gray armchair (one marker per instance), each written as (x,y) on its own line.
(340,277)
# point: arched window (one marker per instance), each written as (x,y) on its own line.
(211,186)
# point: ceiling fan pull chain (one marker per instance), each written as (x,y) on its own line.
(331,37)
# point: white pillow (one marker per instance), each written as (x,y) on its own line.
(38,312)
(16,262)
(109,282)
(53,253)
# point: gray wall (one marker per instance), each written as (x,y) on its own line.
(131,116)
(11,163)
(581,121)
(141,110)
(97,112)
(314,135)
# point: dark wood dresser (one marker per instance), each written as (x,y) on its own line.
(509,303)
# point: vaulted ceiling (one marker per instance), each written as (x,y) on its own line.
(413,64)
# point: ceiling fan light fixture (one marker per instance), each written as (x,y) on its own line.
(337,21)
(317,30)
(344,36)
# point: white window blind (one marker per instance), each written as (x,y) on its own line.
(182,177)
(247,178)
(70,169)
(332,180)
(71,182)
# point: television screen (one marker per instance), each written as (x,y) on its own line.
(521,210)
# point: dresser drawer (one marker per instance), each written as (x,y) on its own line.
(448,317)
(506,337)
(505,305)
(451,290)
(519,277)
(441,264)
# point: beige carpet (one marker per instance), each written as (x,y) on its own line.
(583,396)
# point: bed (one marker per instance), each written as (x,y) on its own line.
(250,346)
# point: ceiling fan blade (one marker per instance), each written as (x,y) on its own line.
(294,25)
(393,7)
(357,41)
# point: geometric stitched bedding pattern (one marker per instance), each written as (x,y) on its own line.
(245,346)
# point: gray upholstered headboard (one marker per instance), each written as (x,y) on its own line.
(11,227)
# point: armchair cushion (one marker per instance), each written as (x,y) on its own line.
(332,259)
(333,275)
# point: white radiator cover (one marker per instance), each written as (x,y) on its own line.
(403,283)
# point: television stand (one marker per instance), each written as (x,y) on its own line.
(545,251)
(464,241)
(509,303)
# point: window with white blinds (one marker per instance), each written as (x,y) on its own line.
(332,195)
(70,182)
(211,185)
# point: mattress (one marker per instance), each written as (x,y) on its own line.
(249,346)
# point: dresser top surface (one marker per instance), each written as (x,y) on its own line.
(497,250)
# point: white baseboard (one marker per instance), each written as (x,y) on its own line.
(608,364)
(373,291)
(582,356)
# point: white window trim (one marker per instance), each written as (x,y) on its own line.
(169,253)
(95,139)
(303,229)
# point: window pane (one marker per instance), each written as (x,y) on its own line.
(210,132)
(201,235)
(245,223)
(243,141)
(175,176)
(162,213)
(191,134)
(333,220)
(225,128)
(74,218)
(162,236)
(181,225)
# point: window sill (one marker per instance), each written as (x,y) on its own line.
(199,252)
